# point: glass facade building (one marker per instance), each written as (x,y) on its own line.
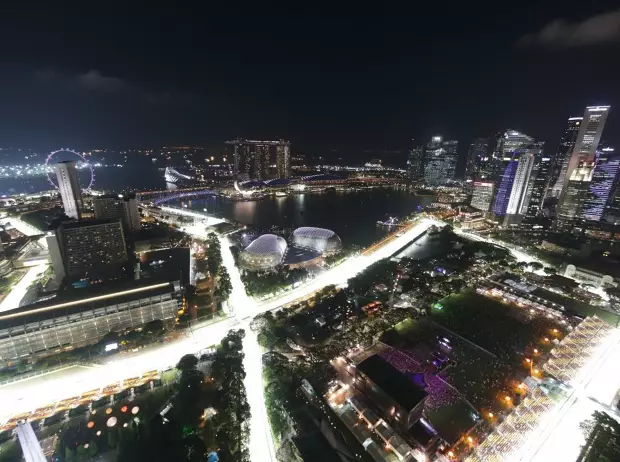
(505,188)
(440,159)
(589,135)
(578,185)
(415,164)
(558,170)
(477,160)
(602,187)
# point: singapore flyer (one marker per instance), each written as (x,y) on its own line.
(61,155)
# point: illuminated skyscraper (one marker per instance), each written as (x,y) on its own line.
(477,159)
(440,158)
(518,191)
(69,187)
(482,195)
(560,162)
(580,168)
(539,182)
(114,207)
(590,131)
(577,187)
(252,159)
(93,250)
(506,145)
(602,187)
(283,159)
(415,164)
(514,156)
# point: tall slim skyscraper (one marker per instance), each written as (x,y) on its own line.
(539,180)
(283,159)
(560,162)
(440,158)
(586,144)
(510,168)
(602,187)
(69,187)
(415,164)
(518,190)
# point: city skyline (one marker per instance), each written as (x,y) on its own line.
(339,237)
(332,93)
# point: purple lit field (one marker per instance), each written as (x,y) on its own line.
(447,411)
(475,373)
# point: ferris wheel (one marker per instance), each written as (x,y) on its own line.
(50,161)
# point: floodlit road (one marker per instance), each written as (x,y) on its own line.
(28,395)
(25,228)
(515,251)
(18,291)
(261,445)
(40,391)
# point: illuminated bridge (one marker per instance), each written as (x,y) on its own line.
(179,195)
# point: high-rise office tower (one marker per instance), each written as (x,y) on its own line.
(574,197)
(589,135)
(69,187)
(92,250)
(477,160)
(539,182)
(114,207)
(580,168)
(558,170)
(440,158)
(518,190)
(415,164)
(505,162)
(482,195)
(602,189)
(506,145)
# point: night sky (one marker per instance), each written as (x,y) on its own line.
(332,85)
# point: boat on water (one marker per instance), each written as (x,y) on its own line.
(392,221)
(281,194)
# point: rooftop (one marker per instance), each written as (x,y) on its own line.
(77,300)
(309,231)
(267,244)
(393,383)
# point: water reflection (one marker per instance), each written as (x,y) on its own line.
(352,215)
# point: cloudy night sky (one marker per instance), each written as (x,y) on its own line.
(343,82)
